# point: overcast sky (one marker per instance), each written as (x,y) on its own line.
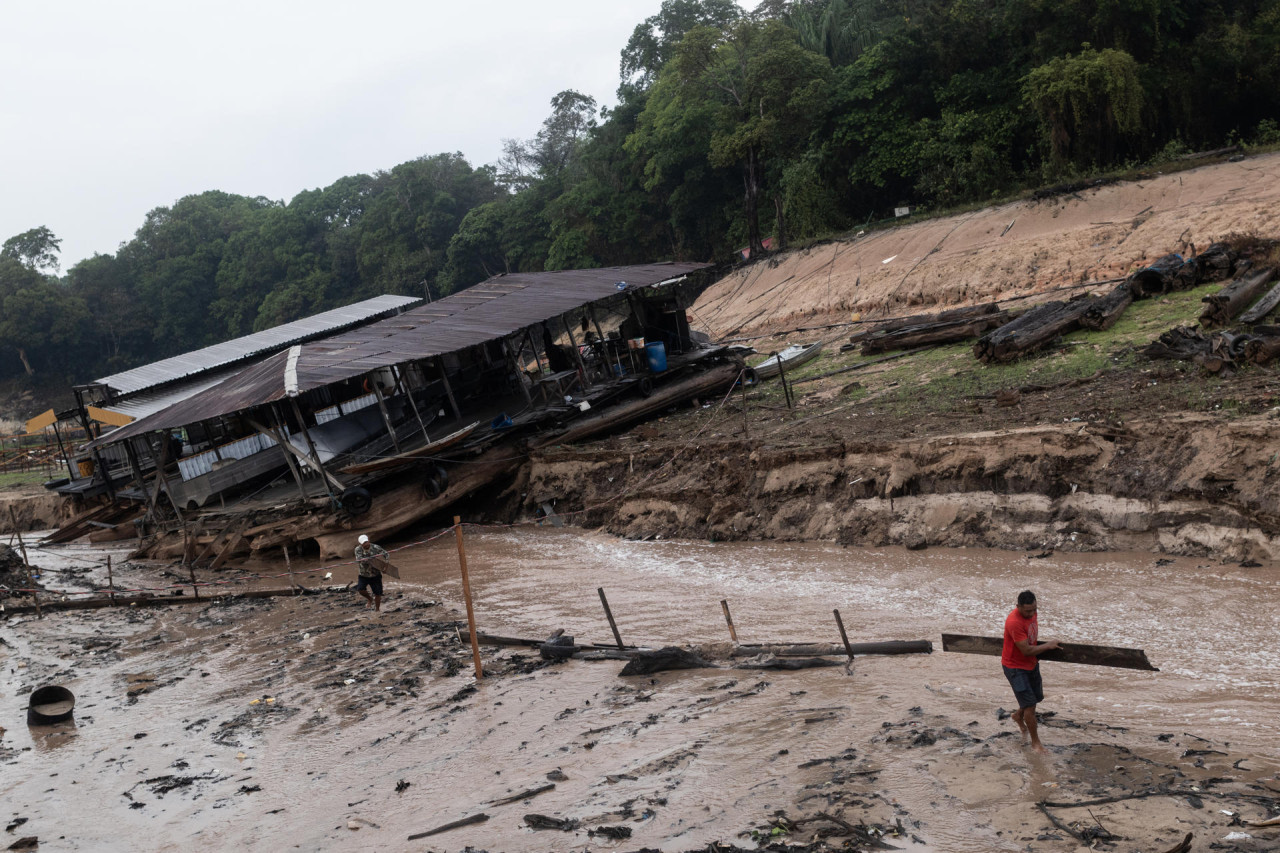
(110,109)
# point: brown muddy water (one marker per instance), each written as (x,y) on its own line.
(360,703)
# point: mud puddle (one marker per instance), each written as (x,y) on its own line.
(310,723)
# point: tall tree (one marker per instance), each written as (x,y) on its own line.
(36,249)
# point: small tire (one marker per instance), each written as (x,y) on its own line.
(442,476)
(431,487)
(645,387)
(356,500)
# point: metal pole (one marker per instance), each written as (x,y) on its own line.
(724,605)
(466,594)
(782,375)
(609,615)
(843,636)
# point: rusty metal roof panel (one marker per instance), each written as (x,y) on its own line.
(203,360)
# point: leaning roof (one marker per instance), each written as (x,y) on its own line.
(490,310)
(270,340)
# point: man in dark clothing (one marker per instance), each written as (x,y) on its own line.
(370,579)
(1021,667)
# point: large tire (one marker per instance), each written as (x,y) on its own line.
(356,500)
(645,386)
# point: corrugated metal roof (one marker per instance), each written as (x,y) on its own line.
(490,310)
(228,352)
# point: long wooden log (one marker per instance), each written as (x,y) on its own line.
(885,647)
(1103,313)
(1066,653)
(951,315)
(466,821)
(935,333)
(1221,307)
(1032,330)
(715,378)
(1262,307)
(1262,350)
(211,595)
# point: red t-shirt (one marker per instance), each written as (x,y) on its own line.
(1018,628)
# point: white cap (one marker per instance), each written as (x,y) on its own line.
(363,540)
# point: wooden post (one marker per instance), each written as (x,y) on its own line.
(746,423)
(279,437)
(448,389)
(186,558)
(413,404)
(289,567)
(31,582)
(111,582)
(843,636)
(466,594)
(724,605)
(315,454)
(382,407)
(609,615)
(577,354)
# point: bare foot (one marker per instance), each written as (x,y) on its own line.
(1022,727)
(1039,747)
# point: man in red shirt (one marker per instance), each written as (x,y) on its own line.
(1021,648)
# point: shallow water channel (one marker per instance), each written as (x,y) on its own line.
(682,768)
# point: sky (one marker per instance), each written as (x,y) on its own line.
(111,109)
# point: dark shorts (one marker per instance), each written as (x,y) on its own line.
(1026,685)
(373,583)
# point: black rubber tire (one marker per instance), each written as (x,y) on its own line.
(356,500)
(749,377)
(432,488)
(442,476)
(645,386)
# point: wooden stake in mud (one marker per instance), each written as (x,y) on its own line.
(31,582)
(782,377)
(843,636)
(289,568)
(609,615)
(466,594)
(746,423)
(724,605)
(195,587)
(111,582)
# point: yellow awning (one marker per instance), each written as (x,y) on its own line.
(107,416)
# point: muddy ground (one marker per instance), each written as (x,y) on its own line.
(312,723)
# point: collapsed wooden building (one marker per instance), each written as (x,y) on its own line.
(378,426)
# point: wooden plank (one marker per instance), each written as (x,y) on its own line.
(384,565)
(1066,653)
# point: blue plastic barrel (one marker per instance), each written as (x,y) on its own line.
(657,352)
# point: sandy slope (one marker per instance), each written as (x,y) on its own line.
(1015,249)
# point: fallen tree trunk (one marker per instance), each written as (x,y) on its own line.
(1032,330)
(1103,313)
(910,337)
(1216,263)
(1261,350)
(1221,307)
(1066,653)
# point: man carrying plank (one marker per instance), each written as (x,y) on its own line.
(368,556)
(1021,648)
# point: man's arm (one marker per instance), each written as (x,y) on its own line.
(1032,650)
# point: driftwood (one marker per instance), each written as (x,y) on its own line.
(1262,307)
(788,663)
(466,821)
(1066,653)
(1103,313)
(1033,330)
(1221,307)
(541,821)
(1165,275)
(523,795)
(933,333)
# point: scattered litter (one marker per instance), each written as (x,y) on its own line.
(1236,836)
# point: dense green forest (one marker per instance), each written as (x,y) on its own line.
(800,119)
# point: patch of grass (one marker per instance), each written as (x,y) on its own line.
(9,479)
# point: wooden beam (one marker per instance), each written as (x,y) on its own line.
(298,454)
(1066,653)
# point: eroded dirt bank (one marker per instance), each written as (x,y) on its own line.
(1188,484)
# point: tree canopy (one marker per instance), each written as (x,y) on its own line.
(791,121)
